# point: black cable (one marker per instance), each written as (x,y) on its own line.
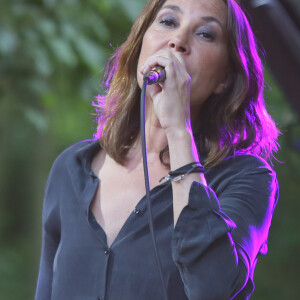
(146,175)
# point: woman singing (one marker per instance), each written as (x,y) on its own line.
(212,224)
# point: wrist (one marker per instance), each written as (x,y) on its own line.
(182,148)
(179,134)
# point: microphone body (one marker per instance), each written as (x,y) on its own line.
(155,75)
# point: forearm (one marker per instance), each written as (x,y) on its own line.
(182,150)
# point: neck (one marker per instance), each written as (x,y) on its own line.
(156,138)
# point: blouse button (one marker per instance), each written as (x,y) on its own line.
(136,211)
(107,251)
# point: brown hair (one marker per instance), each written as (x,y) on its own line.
(235,120)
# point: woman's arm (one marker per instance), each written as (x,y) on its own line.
(217,239)
(44,283)
(50,237)
(182,151)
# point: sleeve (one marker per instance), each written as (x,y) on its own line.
(50,239)
(216,240)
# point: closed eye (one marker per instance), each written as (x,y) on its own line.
(168,22)
(207,35)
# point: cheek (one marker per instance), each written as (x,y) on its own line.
(203,81)
(141,56)
(141,61)
(153,41)
(146,47)
(144,54)
(207,71)
(210,67)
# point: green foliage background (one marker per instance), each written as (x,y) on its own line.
(52,56)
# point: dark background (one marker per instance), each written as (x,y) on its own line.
(52,56)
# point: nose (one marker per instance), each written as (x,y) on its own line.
(179,43)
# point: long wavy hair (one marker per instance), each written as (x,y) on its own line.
(235,121)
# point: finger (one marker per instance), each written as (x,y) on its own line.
(154,61)
(180,65)
(175,70)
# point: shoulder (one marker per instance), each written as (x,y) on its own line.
(242,171)
(73,160)
(65,169)
(79,152)
(243,163)
(77,149)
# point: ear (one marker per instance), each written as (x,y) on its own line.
(226,78)
(222,86)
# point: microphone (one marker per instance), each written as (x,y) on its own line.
(155,75)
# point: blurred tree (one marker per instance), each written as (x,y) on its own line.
(52,56)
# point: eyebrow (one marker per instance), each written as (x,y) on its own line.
(206,18)
(212,19)
(173,7)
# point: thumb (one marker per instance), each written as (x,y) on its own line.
(153,90)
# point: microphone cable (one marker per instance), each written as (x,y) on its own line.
(149,80)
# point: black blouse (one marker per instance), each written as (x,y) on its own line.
(211,253)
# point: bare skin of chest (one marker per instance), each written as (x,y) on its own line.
(119,191)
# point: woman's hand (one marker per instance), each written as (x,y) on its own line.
(171,98)
(171,102)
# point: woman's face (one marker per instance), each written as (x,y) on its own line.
(194,30)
